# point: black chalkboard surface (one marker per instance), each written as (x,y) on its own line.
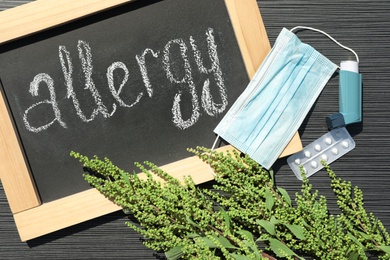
(143,81)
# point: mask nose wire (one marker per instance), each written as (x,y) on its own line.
(327,35)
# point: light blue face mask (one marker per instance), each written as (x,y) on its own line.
(266,116)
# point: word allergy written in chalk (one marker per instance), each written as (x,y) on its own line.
(85,55)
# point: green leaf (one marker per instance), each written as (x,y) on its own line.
(280,249)
(253,247)
(305,223)
(297,230)
(269,199)
(246,234)
(192,235)
(125,178)
(364,235)
(206,241)
(319,240)
(226,218)
(190,221)
(285,195)
(240,257)
(353,255)
(355,240)
(273,220)
(272,174)
(385,249)
(267,225)
(174,253)
(250,242)
(225,242)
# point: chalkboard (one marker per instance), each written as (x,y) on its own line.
(143,81)
(181,67)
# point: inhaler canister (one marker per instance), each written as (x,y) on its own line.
(350,96)
(349,65)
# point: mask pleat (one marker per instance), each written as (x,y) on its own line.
(268,113)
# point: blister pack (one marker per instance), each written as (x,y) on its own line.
(328,148)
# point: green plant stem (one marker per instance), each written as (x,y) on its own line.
(245,206)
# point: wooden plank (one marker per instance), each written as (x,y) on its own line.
(254,44)
(62,213)
(295,145)
(90,204)
(44,14)
(250,32)
(16,179)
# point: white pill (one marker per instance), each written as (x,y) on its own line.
(297,161)
(328,141)
(335,151)
(345,144)
(314,164)
(324,157)
(307,154)
(317,147)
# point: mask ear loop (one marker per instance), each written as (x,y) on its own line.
(327,35)
(215,143)
(212,149)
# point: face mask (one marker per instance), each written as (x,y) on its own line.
(267,114)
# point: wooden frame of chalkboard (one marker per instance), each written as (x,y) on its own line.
(34,218)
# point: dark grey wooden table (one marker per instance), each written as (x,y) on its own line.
(363,25)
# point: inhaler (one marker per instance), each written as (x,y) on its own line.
(350,96)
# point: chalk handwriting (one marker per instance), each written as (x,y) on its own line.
(85,57)
(208,104)
(144,71)
(67,69)
(187,78)
(34,86)
(115,93)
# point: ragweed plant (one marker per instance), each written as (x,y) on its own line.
(245,215)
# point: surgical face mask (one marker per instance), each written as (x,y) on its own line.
(266,116)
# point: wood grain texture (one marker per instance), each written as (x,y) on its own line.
(14,174)
(89,204)
(253,51)
(45,14)
(362,25)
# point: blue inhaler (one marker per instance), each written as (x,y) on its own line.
(350,96)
